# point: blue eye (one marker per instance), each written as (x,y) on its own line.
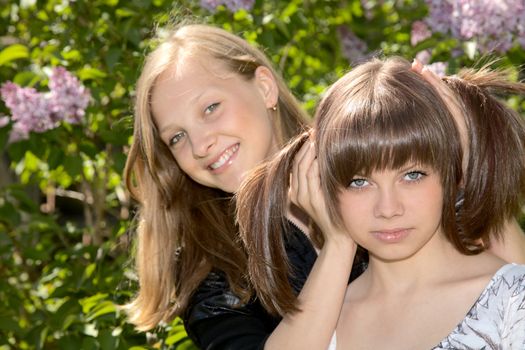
(414,176)
(177,137)
(358,183)
(211,108)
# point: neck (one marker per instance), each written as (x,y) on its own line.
(436,260)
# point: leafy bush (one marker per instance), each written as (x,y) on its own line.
(65,216)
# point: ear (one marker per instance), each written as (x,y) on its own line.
(267,85)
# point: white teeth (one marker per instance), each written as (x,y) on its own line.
(224,157)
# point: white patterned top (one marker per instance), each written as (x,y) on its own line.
(495,321)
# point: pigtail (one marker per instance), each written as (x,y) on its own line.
(261,215)
(495,186)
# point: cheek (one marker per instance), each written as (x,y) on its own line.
(184,159)
(354,214)
(432,201)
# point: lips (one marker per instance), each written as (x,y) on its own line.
(391,236)
(224,157)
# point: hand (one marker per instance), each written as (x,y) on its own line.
(452,103)
(305,192)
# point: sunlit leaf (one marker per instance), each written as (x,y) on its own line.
(13,52)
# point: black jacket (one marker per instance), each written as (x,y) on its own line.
(213,321)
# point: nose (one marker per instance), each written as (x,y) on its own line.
(388,203)
(202,142)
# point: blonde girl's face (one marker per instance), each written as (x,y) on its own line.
(393,213)
(217,124)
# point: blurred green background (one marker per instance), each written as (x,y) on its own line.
(65,217)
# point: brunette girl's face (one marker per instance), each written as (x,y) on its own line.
(216,123)
(393,213)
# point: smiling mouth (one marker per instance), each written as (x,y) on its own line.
(225,157)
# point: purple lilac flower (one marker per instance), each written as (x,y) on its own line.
(419,32)
(39,112)
(493,25)
(232,5)
(28,107)
(354,49)
(440,68)
(68,98)
(424,56)
(211,5)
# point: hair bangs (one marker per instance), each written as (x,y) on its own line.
(384,139)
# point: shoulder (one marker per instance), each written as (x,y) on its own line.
(512,277)
(212,297)
(216,319)
(509,283)
(509,280)
(497,319)
(505,294)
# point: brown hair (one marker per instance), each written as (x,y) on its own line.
(380,115)
(495,185)
(179,241)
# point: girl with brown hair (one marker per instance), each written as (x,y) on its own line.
(387,157)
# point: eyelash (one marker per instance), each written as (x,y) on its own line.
(176,138)
(356,187)
(211,108)
(421,175)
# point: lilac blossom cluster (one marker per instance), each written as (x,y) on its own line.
(420,32)
(34,111)
(354,49)
(493,25)
(232,5)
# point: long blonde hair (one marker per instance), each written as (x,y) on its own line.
(185,229)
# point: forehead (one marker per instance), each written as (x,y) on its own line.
(190,72)
(182,84)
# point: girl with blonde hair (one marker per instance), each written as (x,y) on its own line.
(209,108)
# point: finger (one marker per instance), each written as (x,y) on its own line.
(417,66)
(433,79)
(296,180)
(302,177)
(314,186)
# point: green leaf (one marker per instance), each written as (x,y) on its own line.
(37,336)
(125,12)
(73,165)
(26,78)
(88,148)
(112,57)
(7,323)
(103,308)
(106,340)
(92,301)
(69,341)
(55,158)
(88,73)
(66,314)
(89,344)
(175,338)
(13,52)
